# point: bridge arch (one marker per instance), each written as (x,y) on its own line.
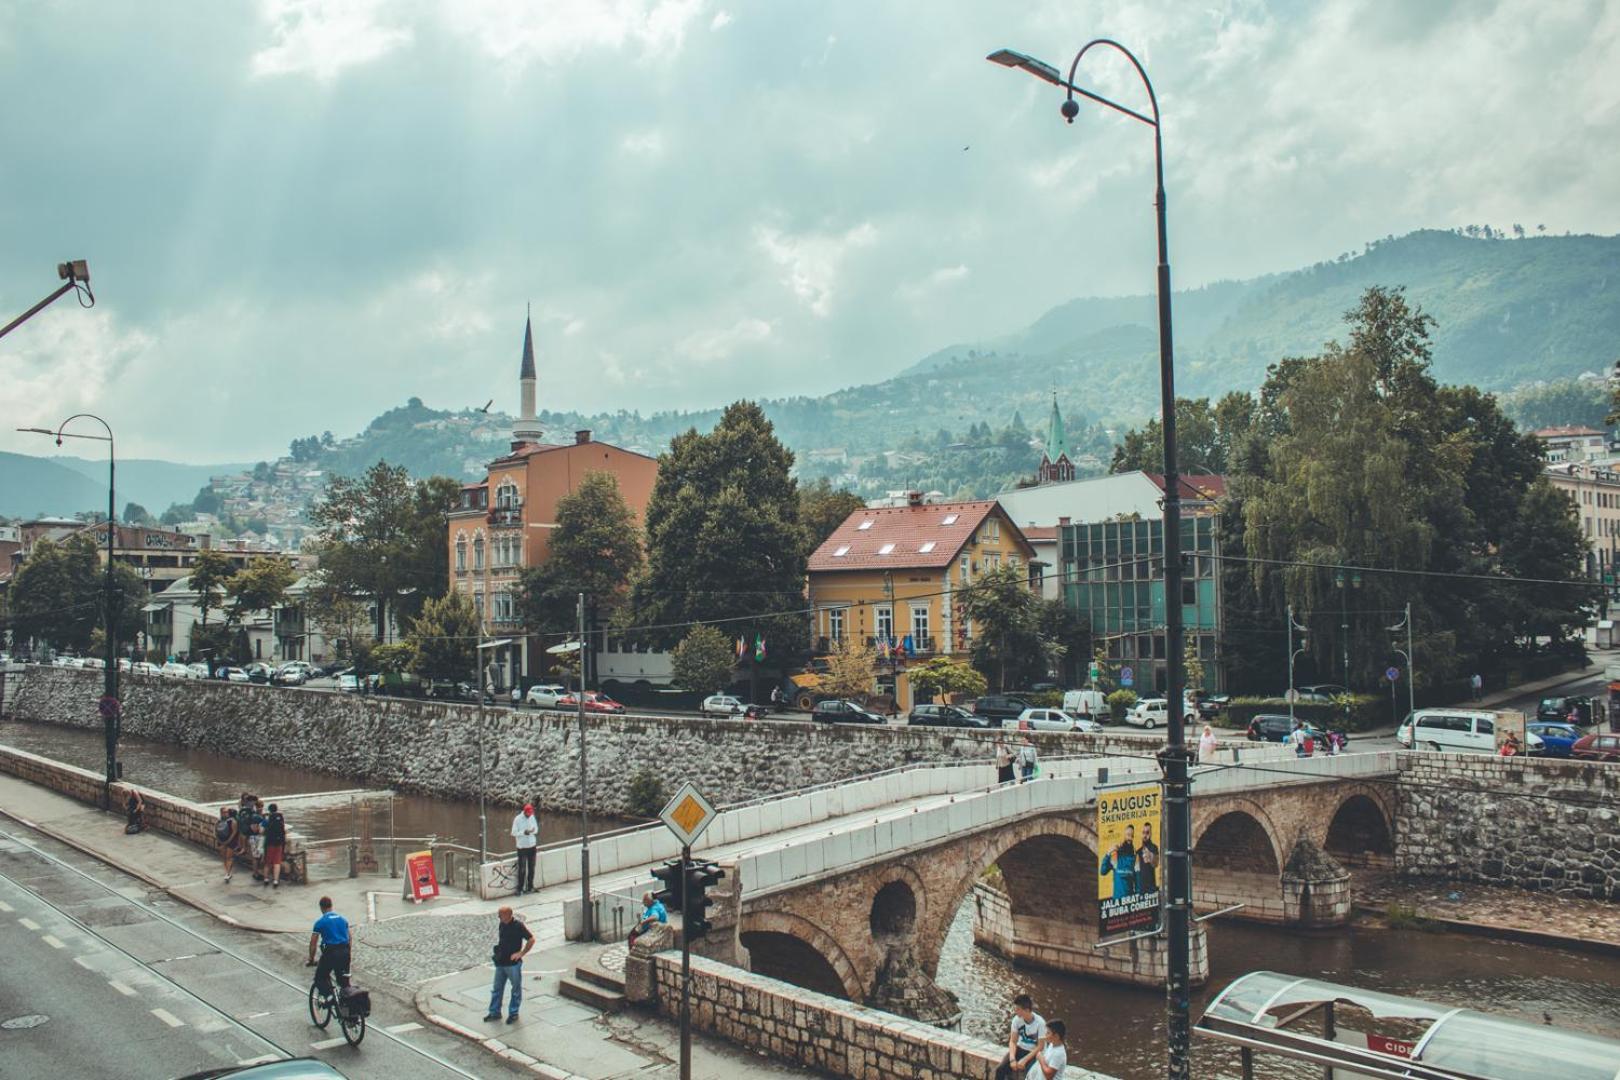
(788,946)
(1237,859)
(1361,831)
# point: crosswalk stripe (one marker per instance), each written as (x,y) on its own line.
(28,924)
(400,1029)
(53,941)
(326,1044)
(7,908)
(120,987)
(168,1018)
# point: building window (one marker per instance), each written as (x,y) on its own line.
(948,519)
(835,624)
(885,623)
(461,551)
(843,549)
(886,549)
(863,526)
(995,529)
(964,565)
(926,548)
(919,625)
(992,560)
(506,496)
(478,553)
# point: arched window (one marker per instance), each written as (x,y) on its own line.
(506,496)
(461,551)
(478,552)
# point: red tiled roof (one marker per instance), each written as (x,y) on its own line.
(1565,432)
(908,529)
(1033,533)
(1200,486)
(530,449)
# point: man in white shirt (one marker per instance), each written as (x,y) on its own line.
(526,835)
(1024,1037)
(1053,1059)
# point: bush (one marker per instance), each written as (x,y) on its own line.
(1355,712)
(646,796)
(1120,702)
(1046,699)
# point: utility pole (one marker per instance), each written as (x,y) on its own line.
(584,798)
(483,818)
(1411,673)
(1304,643)
(686,967)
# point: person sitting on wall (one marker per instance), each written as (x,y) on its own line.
(135,811)
(653,913)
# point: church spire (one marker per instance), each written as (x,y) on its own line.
(527,429)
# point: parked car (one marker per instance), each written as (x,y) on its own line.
(945,716)
(1557,739)
(545,695)
(1456,731)
(259,672)
(1559,708)
(1000,706)
(1050,720)
(1596,747)
(722,705)
(838,711)
(1274,727)
(142,667)
(293,673)
(235,674)
(1085,703)
(95,663)
(66,661)
(174,670)
(349,682)
(594,703)
(1151,712)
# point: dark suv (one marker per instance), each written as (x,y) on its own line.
(945,716)
(1274,727)
(835,711)
(1000,707)
(1559,708)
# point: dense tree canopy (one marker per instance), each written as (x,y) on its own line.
(702,661)
(822,508)
(58,596)
(445,638)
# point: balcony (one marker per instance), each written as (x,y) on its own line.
(919,646)
(506,515)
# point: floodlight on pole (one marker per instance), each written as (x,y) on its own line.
(75,274)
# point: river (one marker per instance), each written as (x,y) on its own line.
(1113,1029)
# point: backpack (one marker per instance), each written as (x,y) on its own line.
(222,829)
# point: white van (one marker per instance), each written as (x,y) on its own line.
(1455,731)
(1089,703)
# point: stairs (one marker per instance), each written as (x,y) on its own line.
(591,985)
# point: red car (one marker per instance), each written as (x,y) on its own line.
(1596,747)
(594,702)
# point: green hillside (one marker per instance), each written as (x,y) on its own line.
(31,486)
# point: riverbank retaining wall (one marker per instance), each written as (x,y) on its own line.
(1531,823)
(432,747)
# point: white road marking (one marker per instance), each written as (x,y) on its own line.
(255,1016)
(84,962)
(120,987)
(52,941)
(7,908)
(326,1044)
(400,1029)
(29,924)
(168,1018)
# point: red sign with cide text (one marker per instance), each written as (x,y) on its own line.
(1383,1044)
(423,878)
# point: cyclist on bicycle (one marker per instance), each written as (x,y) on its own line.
(331,932)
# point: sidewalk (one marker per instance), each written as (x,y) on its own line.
(563,1040)
(1553,682)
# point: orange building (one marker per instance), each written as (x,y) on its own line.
(503,522)
(889,576)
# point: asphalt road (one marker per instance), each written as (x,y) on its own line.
(105,977)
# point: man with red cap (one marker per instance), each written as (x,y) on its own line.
(526,835)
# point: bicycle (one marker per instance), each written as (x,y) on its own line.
(324,1005)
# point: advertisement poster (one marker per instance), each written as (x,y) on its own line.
(421,876)
(1128,835)
(1510,724)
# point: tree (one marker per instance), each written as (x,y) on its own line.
(1201,444)
(210,570)
(56,594)
(851,669)
(136,514)
(822,508)
(445,638)
(1007,640)
(595,550)
(702,661)
(261,585)
(342,619)
(945,675)
(723,536)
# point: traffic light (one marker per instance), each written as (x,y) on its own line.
(670,894)
(694,920)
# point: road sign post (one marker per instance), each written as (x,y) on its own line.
(687,815)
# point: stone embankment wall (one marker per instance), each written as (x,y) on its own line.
(432,747)
(1525,822)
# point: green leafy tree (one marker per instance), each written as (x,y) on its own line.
(702,661)
(136,514)
(342,619)
(394,658)
(822,508)
(942,675)
(56,595)
(210,570)
(1008,645)
(445,638)
(261,585)
(595,549)
(851,669)
(723,536)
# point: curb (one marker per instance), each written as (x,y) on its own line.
(494,1046)
(1593,672)
(1508,933)
(132,871)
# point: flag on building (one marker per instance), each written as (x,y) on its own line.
(759,649)
(742,647)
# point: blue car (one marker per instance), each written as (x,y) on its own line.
(1556,739)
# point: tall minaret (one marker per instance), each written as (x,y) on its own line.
(527,428)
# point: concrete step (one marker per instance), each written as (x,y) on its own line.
(597,977)
(597,997)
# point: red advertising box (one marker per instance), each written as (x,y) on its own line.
(421,877)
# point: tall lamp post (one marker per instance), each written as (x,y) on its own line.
(1173,759)
(110,709)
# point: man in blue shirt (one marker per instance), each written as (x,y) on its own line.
(652,911)
(331,931)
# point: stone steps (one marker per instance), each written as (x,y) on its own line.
(592,994)
(596,976)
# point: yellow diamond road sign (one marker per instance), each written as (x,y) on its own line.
(688,814)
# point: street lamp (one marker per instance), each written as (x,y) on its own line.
(110,709)
(76,274)
(1340,579)
(1177,809)
(1293,654)
(1411,675)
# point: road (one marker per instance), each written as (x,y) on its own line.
(106,977)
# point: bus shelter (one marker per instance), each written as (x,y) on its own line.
(1356,1033)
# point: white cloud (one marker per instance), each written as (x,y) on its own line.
(68,361)
(561,30)
(944,276)
(722,19)
(647,144)
(320,38)
(813,260)
(710,346)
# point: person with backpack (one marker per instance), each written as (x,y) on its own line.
(275,846)
(225,833)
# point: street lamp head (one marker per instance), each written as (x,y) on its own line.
(1071,109)
(1038,68)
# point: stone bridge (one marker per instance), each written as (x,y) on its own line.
(861,911)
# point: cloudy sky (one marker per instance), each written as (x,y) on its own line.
(301,212)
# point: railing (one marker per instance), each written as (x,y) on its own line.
(506,515)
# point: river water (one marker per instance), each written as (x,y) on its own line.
(1118,1030)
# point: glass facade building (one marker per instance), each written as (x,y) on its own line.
(1113,576)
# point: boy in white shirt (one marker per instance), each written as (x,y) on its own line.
(1023,1040)
(1053,1058)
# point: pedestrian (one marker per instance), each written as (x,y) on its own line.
(1477,685)
(1510,746)
(1207,745)
(251,823)
(512,943)
(1023,1039)
(1004,761)
(1053,1059)
(225,833)
(526,835)
(135,812)
(331,933)
(275,845)
(653,912)
(1296,739)
(776,697)
(1028,760)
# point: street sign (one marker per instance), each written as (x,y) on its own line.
(1392,674)
(688,814)
(1126,676)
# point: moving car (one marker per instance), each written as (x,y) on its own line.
(545,695)
(1001,706)
(722,705)
(594,703)
(1559,708)
(838,711)
(1050,720)
(1274,727)
(1456,731)
(1596,747)
(945,716)
(1557,739)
